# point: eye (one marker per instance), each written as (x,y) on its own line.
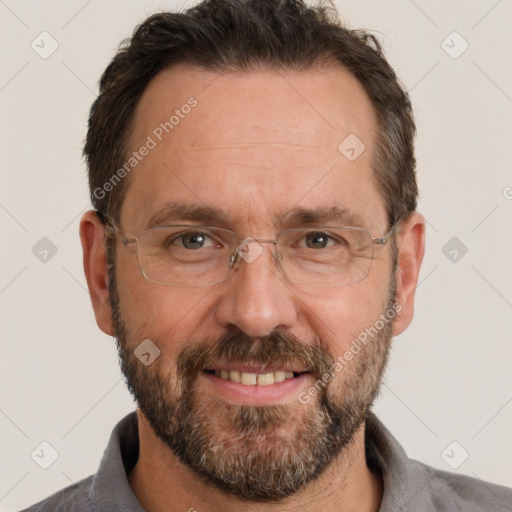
(318,240)
(193,240)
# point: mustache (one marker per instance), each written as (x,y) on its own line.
(278,348)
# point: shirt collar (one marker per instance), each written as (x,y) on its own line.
(404,481)
(110,488)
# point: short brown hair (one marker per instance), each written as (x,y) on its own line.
(237,35)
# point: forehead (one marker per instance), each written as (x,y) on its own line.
(255,144)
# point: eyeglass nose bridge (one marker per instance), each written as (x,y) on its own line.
(249,250)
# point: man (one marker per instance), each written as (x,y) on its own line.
(254,247)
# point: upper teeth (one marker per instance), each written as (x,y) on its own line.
(253,379)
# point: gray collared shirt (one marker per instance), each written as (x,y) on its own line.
(408,485)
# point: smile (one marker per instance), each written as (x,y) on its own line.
(252,385)
(253,379)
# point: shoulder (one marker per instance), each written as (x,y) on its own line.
(450,492)
(109,488)
(75,498)
(412,485)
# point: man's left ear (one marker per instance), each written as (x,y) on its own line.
(410,240)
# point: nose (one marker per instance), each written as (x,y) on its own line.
(256,298)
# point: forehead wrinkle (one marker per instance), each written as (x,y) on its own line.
(249,145)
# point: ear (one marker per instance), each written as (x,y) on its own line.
(410,240)
(92,236)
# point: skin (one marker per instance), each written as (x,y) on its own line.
(257,144)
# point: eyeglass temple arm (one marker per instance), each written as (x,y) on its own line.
(383,240)
(112,227)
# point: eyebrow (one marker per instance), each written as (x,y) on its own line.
(175,211)
(320,215)
(213,216)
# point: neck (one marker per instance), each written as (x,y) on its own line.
(162,483)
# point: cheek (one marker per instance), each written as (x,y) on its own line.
(168,316)
(339,315)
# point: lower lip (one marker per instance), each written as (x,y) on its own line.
(279,392)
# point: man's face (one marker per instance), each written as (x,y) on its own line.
(257,146)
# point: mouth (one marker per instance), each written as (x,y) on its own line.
(253,378)
(251,385)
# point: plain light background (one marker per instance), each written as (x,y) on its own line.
(450,374)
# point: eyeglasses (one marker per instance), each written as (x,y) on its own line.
(188,255)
